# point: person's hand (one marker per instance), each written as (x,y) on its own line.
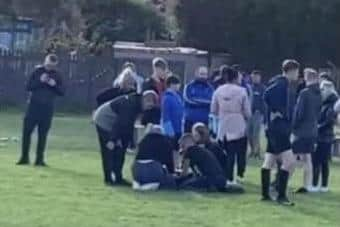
(44,78)
(52,82)
(110,145)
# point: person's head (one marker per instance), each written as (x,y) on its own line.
(310,76)
(202,73)
(126,80)
(51,61)
(230,75)
(237,68)
(173,83)
(256,76)
(327,89)
(200,133)
(130,65)
(290,69)
(150,99)
(325,76)
(186,141)
(160,68)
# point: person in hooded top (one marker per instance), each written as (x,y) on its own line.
(305,121)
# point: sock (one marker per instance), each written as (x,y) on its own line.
(283,183)
(265,177)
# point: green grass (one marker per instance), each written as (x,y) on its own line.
(70,192)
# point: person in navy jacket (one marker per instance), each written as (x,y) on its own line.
(197,98)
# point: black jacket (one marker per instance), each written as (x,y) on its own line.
(157,147)
(307,112)
(150,84)
(280,97)
(42,93)
(327,120)
(219,153)
(127,107)
(151,116)
(257,101)
(108,94)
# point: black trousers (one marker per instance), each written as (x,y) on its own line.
(112,160)
(320,160)
(236,152)
(40,117)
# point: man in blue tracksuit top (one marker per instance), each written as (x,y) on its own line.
(197,98)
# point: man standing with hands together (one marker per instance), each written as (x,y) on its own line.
(44,85)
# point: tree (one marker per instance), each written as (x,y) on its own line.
(261,33)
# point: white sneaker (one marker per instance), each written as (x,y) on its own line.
(314,189)
(240,180)
(232,183)
(324,189)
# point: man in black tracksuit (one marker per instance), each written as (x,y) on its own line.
(114,121)
(44,85)
(280,99)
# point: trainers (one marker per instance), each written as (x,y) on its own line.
(324,189)
(123,183)
(314,189)
(40,164)
(285,202)
(240,180)
(267,199)
(302,190)
(23,162)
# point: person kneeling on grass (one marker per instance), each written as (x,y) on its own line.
(208,175)
(201,135)
(153,168)
(115,121)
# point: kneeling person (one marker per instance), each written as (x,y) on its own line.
(207,172)
(153,168)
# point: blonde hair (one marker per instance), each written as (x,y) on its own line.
(202,131)
(127,72)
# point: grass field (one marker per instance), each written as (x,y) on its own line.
(70,192)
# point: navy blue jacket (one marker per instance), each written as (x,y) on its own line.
(172,113)
(327,120)
(197,98)
(257,99)
(280,98)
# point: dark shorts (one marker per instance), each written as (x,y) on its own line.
(304,146)
(278,136)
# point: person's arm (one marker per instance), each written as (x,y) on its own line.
(246,106)
(337,107)
(329,120)
(34,82)
(167,117)
(59,88)
(213,116)
(299,111)
(185,167)
(199,97)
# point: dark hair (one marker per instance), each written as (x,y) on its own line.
(289,65)
(229,74)
(172,80)
(160,63)
(236,67)
(256,72)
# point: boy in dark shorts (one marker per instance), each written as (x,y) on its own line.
(305,125)
(279,97)
(208,174)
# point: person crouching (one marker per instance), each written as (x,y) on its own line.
(153,167)
(115,121)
